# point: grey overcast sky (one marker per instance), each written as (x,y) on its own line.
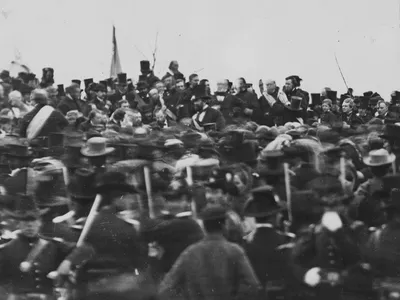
(223,39)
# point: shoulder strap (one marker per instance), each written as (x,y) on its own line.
(38,121)
(375,238)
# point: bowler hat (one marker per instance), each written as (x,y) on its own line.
(379,157)
(121,78)
(264,202)
(316,99)
(145,65)
(113,181)
(26,209)
(271,162)
(332,95)
(295,103)
(82,184)
(96,146)
(213,213)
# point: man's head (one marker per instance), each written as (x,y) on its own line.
(292,82)
(326,105)
(169,82)
(74,91)
(240,84)
(124,104)
(198,104)
(347,105)
(134,117)
(30,228)
(39,96)
(269,86)
(206,83)
(96,117)
(154,95)
(174,66)
(100,91)
(143,89)
(194,80)
(160,86)
(15,99)
(324,91)
(222,85)
(180,84)
(160,116)
(383,108)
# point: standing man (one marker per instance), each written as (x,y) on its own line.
(70,101)
(212,268)
(252,110)
(122,93)
(147,74)
(292,88)
(174,71)
(272,103)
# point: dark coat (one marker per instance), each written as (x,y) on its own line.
(351,119)
(150,78)
(68,104)
(291,115)
(55,123)
(211,116)
(328,119)
(211,269)
(117,96)
(231,107)
(179,103)
(264,256)
(251,102)
(271,116)
(100,105)
(15,252)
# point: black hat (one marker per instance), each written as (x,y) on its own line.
(332,95)
(31,76)
(306,203)
(121,78)
(76,81)
(60,90)
(200,92)
(395,96)
(364,102)
(316,99)
(295,103)
(72,157)
(5,74)
(23,76)
(213,213)
(391,132)
(264,202)
(26,209)
(145,65)
(271,163)
(368,94)
(56,139)
(104,83)
(328,185)
(113,180)
(87,82)
(16,84)
(97,87)
(46,70)
(82,184)
(18,150)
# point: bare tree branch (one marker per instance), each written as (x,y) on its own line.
(138,50)
(155,52)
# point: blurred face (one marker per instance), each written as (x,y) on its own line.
(270,86)
(174,66)
(169,83)
(195,81)
(198,105)
(222,86)
(97,119)
(16,101)
(160,117)
(323,93)
(136,119)
(160,87)
(1,91)
(362,111)
(180,86)
(239,85)
(142,91)
(125,105)
(239,183)
(30,228)
(346,107)
(153,94)
(382,109)
(122,88)
(325,107)
(76,93)
(289,85)
(101,94)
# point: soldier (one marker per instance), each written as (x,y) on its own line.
(26,261)
(212,268)
(263,242)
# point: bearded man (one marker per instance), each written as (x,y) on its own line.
(272,103)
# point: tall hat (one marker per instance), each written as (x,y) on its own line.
(104,83)
(121,78)
(271,163)
(295,103)
(306,203)
(364,102)
(263,203)
(60,90)
(87,82)
(330,188)
(332,95)
(145,65)
(76,81)
(202,169)
(316,99)
(26,209)
(82,184)
(200,92)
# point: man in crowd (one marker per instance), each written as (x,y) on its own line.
(174,71)
(70,102)
(292,88)
(271,101)
(147,74)
(252,107)
(349,117)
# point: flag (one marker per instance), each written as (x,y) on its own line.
(115,62)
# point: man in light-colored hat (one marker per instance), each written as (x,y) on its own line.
(379,162)
(96,151)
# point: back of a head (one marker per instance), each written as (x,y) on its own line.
(214,226)
(40,96)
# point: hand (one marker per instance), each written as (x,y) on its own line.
(331,221)
(312,277)
(248,111)
(64,268)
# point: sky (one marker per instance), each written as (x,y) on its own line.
(255,39)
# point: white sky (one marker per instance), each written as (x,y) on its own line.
(226,38)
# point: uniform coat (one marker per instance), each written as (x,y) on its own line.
(211,269)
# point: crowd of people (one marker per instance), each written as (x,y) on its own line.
(162,189)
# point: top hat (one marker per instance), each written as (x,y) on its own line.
(56,139)
(263,203)
(113,181)
(87,82)
(332,95)
(379,157)
(364,102)
(96,146)
(82,184)
(306,203)
(121,78)
(213,213)
(391,132)
(31,76)
(60,90)
(368,94)
(202,169)
(200,92)
(26,209)
(76,81)
(328,185)
(271,162)
(145,65)
(104,83)
(316,99)
(18,150)
(295,103)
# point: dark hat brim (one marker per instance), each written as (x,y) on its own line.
(292,109)
(123,187)
(261,214)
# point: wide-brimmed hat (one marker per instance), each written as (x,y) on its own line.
(96,146)
(113,181)
(26,209)
(18,150)
(379,157)
(264,202)
(82,184)
(295,103)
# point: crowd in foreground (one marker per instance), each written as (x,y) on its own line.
(161,189)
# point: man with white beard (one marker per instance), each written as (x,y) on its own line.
(272,102)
